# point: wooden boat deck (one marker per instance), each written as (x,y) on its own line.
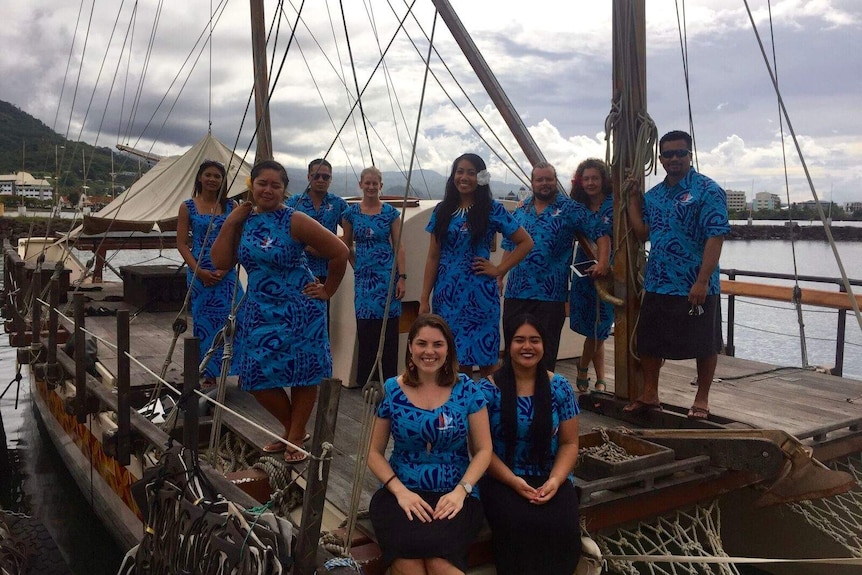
(745,394)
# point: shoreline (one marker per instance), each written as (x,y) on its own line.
(15,228)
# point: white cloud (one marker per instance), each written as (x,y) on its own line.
(554,63)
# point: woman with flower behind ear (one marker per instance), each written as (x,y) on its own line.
(458,269)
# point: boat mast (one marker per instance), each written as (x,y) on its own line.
(261,83)
(489,81)
(629,94)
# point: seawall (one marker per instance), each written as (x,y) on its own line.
(794,232)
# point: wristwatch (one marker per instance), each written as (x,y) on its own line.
(402,276)
(467,487)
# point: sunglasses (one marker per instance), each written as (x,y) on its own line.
(324,177)
(668,154)
(696,310)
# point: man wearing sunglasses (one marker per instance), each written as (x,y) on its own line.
(685,219)
(322,206)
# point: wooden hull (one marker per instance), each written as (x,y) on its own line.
(93,471)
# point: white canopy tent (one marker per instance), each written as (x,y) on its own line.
(155,198)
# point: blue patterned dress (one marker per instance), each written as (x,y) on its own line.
(530,539)
(584,302)
(283,331)
(470,302)
(374,257)
(430,450)
(564,406)
(209,306)
(328,215)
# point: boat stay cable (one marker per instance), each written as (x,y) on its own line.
(797,291)
(682,29)
(827,229)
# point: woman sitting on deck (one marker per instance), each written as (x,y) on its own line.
(528,496)
(284,340)
(212,289)
(426,515)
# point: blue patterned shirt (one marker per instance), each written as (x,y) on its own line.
(329,216)
(430,446)
(544,274)
(563,408)
(372,235)
(680,219)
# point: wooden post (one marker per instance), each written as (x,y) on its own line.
(36,318)
(80,359)
(99,263)
(124,426)
(19,325)
(52,370)
(318,474)
(629,90)
(191,377)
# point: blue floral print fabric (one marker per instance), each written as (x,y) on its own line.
(328,215)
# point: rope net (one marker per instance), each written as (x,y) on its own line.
(839,516)
(694,533)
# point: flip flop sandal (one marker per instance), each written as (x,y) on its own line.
(582,383)
(600,385)
(278,446)
(638,407)
(698,413)
(294,457)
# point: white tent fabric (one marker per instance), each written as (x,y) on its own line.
(155,198)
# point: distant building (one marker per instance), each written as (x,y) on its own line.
(766,201)
(736,201)
(853,207)
(25,185)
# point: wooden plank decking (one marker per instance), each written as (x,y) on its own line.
(753,394)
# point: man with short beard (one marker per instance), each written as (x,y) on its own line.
(539,285)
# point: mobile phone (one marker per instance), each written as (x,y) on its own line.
(580,268)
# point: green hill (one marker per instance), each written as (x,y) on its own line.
(27,144)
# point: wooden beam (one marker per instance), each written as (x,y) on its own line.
(822,298)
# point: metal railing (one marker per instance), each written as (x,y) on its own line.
(842,313)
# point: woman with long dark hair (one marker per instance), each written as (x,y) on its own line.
(199,221)
(528,494)
(426,514)
(589,315)
(458,269)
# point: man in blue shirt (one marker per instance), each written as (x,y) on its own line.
(539,285)
(322,206)
(685,219)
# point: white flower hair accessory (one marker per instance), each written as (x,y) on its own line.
(483,178)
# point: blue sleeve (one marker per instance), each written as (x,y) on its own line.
(391,213)
(507,244)
(713,213)
(293,200)
(384,408)
(475,398)
(433,221)
(341,206)
(564,398)
(348,214)
(502,221)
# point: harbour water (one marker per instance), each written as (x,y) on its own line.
(765,331)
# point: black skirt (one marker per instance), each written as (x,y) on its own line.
(400,538)
(530,539)
(667,330)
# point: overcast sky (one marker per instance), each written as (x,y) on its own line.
(553,58)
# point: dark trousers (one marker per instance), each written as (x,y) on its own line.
(367,337)
(552,316)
